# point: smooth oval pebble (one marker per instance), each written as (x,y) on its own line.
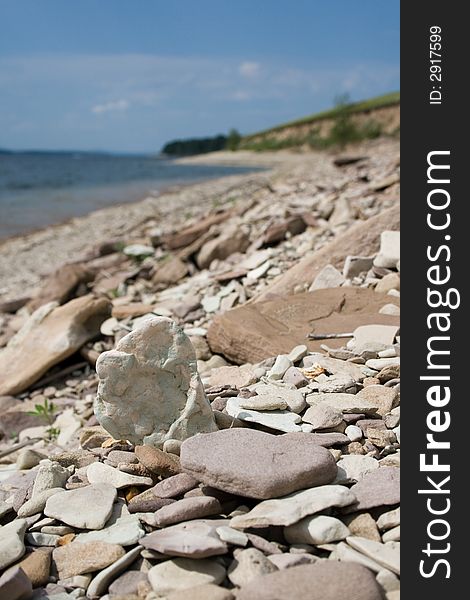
(327,580)
(255,464)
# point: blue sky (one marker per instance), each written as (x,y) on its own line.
(129,75)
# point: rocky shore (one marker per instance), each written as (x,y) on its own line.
(199,393)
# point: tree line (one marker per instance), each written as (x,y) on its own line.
(192,146)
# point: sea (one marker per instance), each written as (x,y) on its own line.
(38,189)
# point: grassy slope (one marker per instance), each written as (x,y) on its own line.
(372,103)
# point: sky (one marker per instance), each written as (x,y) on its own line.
(130,75)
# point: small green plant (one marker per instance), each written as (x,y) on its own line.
(233,140)
(47,411)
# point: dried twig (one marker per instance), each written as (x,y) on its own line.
(328,336)
(16,447)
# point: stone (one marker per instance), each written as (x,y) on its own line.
(355,265)
(232,536)
(187,509)
(138,250)
(190,234)
(77,558)
(281,364)
(60,285)
(341,382)
(380,437)
(100,583)
(175,486)
(326,580)
(316,530)
(50,335)
(389,253)
(149,390)
(201,347)
(15,585)
(126,531)
(387,555)
(392,535)
(293,376)
(36,566)
(12,542)
(347,403)
(172,446)
(37,538)
(363,525)
(294,507)
(263,402)
(387,283)
(278,464)
(328,277)
(50,476)
(380,487)
(206,591)
(85,508)
(184,574)
(323,416)
(192,539)
(385,398)
(100,473)
(354,467)
(376,334)
(388,581)
(381,363)
(147,502)
(29,458)
(334,366)
(362,238)
(279,420)
(37,503)
(297,353)
(288,560)
(170,270)
(248,564)
(259,330)
(279,391)
(389,520)
(128,583)
(353,432)
(157,461)
(344,553)
(233,239)
(390,309)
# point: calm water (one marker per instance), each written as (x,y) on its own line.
(37,189)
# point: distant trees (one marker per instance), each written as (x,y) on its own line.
(191,146)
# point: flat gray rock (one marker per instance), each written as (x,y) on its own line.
(255,464)
(326,580)
(85,508)
(12,542)
(100,473)
(193,539)
(149,389)
(125,532)
(291,509)
(380,487)
(184,574)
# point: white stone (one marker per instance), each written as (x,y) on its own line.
(316,530)
(389,519)
(232,536)
(12,542)
(100,473)
(389,253)
(387,555)
(282,363)
(353,467)
(345,553)
(139,250)
(68,423)
(101,582)
(390,309)
(126,531)
(295,399)
(50,475)
(347,403)
(36,504)
(392,535)
(149,389)
(388,580)
(248,564)
(353,432)
(294,507)
(184,574)
(280,420)
(297,353)
(210,303)
(109,326)
(328,277)
(323,416)
(378,334)
(85,508)
(380,363)
(259,272)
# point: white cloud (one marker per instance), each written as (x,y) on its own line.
(116,105)
(249,70)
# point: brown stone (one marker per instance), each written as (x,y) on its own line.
(190,234)
(276,232)
(380,487)
(207,591)
(37,565)
(327,580)
(362,239)
(147,502)
(175,486)
(78,558)
(253,332)
(230,241)
(187,509)
(170,270)
(255,464)
(157,461)
(131,310)
(61,285)
(49,336)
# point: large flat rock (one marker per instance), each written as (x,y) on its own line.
(256,331)
(50,335)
